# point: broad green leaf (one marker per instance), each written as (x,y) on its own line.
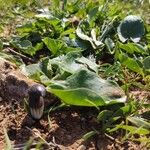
(67,63)
(130,63)
(139,122)
(85,88)
(73,61)
(131,27)
(75,42)
(132,48)
(146,63)
(88,63)
(58,47)
(26,46)
(53,45)
(55,24)
(38,47)
(78,96)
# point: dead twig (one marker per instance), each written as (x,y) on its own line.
(49,144)
(19,54)
(112,139)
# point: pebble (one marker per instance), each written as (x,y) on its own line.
(63,116)
(81,147)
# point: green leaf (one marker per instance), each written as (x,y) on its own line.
(33,71)
(26,46)
(130,63)
(85,88)
(1,44)
(84,37)
(53,45)
(134,130)
(46,67)
(104,115)
(58,47)
(131,28)
(88,63)
(10,57)
(67,32)
(131,48)
(139,122)
(96,42)
(29,27)
(93,41)
(89,135)
(73,61)
(126,110)
(146,63)
(78,97)
(45,80)
(110,45)
(93,12)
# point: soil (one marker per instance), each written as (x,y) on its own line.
(63,130)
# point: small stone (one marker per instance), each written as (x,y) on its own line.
(81,147)
(63,116)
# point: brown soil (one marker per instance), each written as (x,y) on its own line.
(64,130)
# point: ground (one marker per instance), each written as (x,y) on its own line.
(64,128)
(64,131)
